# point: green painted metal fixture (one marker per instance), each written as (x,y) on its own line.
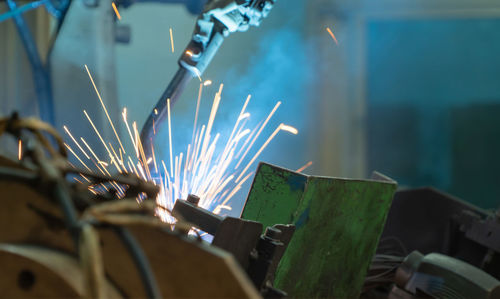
(338,226)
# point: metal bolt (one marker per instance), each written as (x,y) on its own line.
(193,199)
(272,233)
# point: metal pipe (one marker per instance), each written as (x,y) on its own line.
(40,75)
(22,9)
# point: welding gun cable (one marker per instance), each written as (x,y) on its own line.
(173,92)
(141,262)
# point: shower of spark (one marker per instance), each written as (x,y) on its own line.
(212,166)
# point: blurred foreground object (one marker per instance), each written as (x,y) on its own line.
(60,240)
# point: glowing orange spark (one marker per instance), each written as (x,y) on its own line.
(279,128)
(89,148)
(172,40)
(20,150)
(74,154)
(332,35)
(102,140)
(116,11)
(258,133)
(124,114)
(103,163)
(170,136)
(304,167)
(77,144)
(104,107)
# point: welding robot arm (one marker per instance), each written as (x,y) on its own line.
(218,19)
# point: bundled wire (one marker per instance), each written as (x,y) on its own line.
(82,224)
(381,273)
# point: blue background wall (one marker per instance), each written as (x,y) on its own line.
(434,103)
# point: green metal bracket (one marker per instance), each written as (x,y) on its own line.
(338,225)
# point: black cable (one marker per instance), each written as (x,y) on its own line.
(141,262)
(173,92)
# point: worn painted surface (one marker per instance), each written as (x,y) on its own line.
(338,221)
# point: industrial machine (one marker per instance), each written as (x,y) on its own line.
(218,20)
(298,236)
(435,245)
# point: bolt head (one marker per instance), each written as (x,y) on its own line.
(193,199)
(273,233)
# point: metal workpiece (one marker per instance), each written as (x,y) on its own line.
(199,217)
(337,222)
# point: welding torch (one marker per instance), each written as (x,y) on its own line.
(218,19)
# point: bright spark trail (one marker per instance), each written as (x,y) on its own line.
(332,35)
(116,11)
(209,167)
(172,39)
